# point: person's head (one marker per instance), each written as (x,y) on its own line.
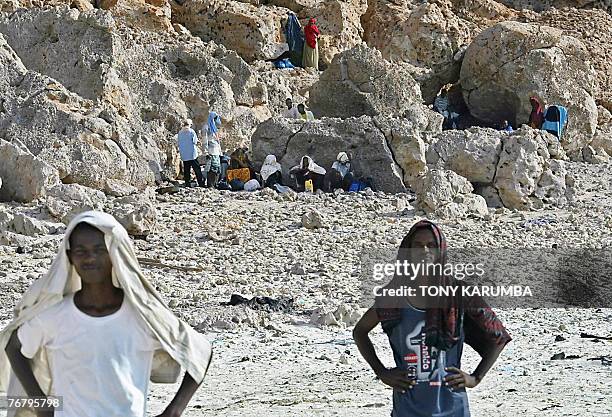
(187,123)
(535,103)
(312,21)
(301,108)
(505,124)
(289,103)
(89,254)
(342,158)
(270,160)
(424,242)
(305,162)
(218,121)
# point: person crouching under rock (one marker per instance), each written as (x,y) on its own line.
(271,172)
(340,175)
(308,171)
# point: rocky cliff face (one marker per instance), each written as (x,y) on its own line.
(95,91)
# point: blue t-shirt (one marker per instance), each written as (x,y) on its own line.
(187,140)
(411,353)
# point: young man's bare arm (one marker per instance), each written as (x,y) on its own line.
(186,391)
(461,379)
(395,378)
(23,370)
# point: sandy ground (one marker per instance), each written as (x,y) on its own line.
(278,364)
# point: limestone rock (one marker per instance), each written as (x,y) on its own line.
(510,62)
(471,153)
(137,213)
(527,177)
(114,111)
(65,201)
(254,32)
(603,139)
(118,189)
(360,82)
(142,14)
(25,177)
(312,220)
(448,195)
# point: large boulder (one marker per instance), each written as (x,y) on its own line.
(253,31)
(522,170)
(448,195)
(472,153)
(510,62)
(592,27)
(142,14)
(25,177)
(360,82)
(527,176)
(323,139)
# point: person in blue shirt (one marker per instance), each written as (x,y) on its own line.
(187,141)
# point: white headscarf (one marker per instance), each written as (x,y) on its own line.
(182,345)
(269,167)
(311,166)
(342,164)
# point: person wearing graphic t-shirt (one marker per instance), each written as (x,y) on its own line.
(427,343)
(100,348)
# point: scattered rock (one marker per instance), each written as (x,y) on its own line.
(312,220)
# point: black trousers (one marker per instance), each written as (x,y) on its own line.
(334,180)
(187,167)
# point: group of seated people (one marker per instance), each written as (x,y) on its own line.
(240,174)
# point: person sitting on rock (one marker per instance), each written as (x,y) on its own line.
(427,334)
(340,175)
(305,114)
(308,170)
(212,149)
(311,46)
(94,324)
(271,172)
(187,141)
(536,118)
(292,111)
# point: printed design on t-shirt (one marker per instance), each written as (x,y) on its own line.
(419,357)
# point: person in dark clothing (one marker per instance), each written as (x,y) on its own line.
(427,336)
(308,170)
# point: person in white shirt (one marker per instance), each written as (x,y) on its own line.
(212,148)
(292,111)
(90,331)
(305,114)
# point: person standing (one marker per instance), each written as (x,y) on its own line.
(536,117)
(311,47)
(90,330)
(427,335)
(212,148)
(187,141)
